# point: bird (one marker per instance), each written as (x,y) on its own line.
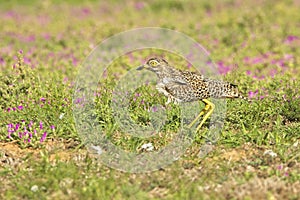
(186,86)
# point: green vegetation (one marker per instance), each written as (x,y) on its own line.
(254,44)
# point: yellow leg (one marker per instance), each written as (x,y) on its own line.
(210,111)
(205,109)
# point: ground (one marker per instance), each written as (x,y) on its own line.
(253,44)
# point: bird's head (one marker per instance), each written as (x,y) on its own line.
(154,64)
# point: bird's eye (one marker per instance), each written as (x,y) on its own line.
(153,63)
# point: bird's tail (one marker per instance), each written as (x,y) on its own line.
(237,94)
(233,92)
(221,89)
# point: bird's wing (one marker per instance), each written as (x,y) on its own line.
(174,80)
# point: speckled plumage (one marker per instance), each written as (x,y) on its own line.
(185,86)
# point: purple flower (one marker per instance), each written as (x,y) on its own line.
(30,124)
(52,127)
(78,100)
(8,109)
(86,11)
(65,79)
(31,38)
(246,59)
(257,60)
(2,60)
(25,133)
(21,51)
(139,5)
(248,72)
(11,13)
(27,60)
(43,137)
(43,99)
(288,56)
(20,107)
(279,167)
(252,94)
(279,62)
(286,174)
(51,55)
(74,61)
(209,62)
(154,109)
(17,126)
(291,38)
(46,36)
(41,125)
(10,128)
(222,68)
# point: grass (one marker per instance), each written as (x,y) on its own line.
(43,156)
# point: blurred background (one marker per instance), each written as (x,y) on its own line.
(254,44)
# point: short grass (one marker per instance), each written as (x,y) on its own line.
(254,44)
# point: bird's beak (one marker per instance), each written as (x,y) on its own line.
(140,67)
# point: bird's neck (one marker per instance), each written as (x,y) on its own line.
(168,72)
